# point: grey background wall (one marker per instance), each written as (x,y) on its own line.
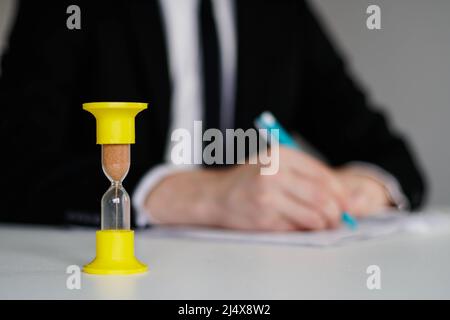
(6,13)
(405,67)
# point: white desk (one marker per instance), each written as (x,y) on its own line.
(33,264)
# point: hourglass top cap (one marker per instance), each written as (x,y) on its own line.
(115,120)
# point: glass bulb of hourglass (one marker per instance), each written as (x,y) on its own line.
(116,208)
(116,201)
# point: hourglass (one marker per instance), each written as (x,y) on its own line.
(115,240)
(115,202)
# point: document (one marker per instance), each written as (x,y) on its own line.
(381,225)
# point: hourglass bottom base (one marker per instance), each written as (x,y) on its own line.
(115,254)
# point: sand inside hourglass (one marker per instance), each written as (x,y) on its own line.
(116,161)
(115,202)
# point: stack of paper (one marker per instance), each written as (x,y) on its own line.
(381,225)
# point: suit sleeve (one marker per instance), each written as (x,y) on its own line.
(339,121)
(47,174)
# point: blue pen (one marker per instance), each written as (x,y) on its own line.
(267,121)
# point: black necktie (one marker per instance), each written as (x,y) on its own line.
(211,68)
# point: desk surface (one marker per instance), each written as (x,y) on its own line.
(33,264)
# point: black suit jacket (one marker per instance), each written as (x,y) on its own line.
(286,64)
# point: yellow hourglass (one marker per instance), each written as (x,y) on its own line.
(115,240)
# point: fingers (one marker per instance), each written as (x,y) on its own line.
(300,214)
(317,197)
(367,195)
(365,201)
(284,213)
(359,204)
(308,167)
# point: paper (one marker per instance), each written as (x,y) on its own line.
(382,225)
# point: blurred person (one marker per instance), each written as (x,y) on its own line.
(220,61)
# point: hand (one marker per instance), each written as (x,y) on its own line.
(304,195)
(367,194)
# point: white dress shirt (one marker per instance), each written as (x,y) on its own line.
(182,30)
